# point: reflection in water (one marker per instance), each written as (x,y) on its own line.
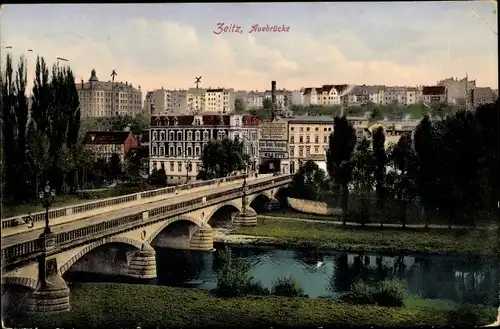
(438,277)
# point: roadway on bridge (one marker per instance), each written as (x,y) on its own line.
(8,231)
(34,233)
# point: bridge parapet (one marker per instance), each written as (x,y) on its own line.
(29,250)
(75,209)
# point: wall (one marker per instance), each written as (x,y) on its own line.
(313,207)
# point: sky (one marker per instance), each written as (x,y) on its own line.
(168,45)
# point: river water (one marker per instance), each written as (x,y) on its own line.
(329,274)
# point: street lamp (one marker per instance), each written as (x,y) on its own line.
(188,169)
(246,163)
(46,196)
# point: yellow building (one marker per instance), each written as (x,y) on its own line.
(308,138)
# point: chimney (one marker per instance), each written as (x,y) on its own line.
(82,83)
(273,93)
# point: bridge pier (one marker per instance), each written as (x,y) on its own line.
(247,217)
(52,293)
(202,239)
(143,263)
(273,204)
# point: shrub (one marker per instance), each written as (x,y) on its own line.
(256,288)
(468,315)
(390,293)
(360,293)
(287,287)
(232,277)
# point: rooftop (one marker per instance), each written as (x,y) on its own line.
(106,137)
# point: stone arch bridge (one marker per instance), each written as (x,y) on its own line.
(39,264)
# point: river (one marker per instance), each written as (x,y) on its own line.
(329,274)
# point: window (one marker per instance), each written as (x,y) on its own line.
(317,129)
(153,150)
(197,135)
(292,151)
(162,150)
(301,139)
(301,129)
(171,151)
(291,128)
(154,165)
(162,135)
(307,129)
(316,149)
(190,135)
(325,139)
(301,152)
(189,151)
(197,151)
(308,139)
(316,139)
(205,135)
(254,150)
(179,151)
(179,136)
(308,150)
(237,121)
(171,135)
(155,135)
(292,139)
(179,166)
(172,166)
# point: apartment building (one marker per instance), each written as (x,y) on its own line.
(107,99)
(483,95)
(255,100)
(457,89)
(308,140)
(283,98)
(177,142)
(219,100)
(273,148)
(411,95)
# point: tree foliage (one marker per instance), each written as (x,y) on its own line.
(309,182)
(222,157)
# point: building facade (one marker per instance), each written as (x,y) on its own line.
(434,94)
(106,143)
(177,142)
(274,147)
(107,99)
(308,140)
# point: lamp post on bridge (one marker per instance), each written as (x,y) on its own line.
(46,196)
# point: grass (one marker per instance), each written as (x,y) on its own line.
(290,233)
(121,305)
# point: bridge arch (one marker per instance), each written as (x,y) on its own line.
(154,234)
(122,240)
(268,194)
(233,207)
(20,281)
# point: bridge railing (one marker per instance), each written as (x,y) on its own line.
(25,249)
(75,209)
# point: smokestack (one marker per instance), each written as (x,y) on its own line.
(273,94)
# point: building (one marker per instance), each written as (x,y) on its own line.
(308,138)
(457,89)
(411,95)
(434,94)
(283,98)
(177,142)
(297,98)
(395,95)
(483,95)
(106,99)
(219,100)
(255,100)
(274,147)
(326,95)
(106,143)
(393,130)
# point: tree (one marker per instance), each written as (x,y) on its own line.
(363,176)
(376,114)
(222,157)
(338,157)
(158,177)
(309,182)
(403,174)
(115,167)
(239,105)
(379,152)
(267,104)
(425,140)
(135,169)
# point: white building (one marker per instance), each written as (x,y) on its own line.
(255,99)
(297,98)
(219,100)
(177,142)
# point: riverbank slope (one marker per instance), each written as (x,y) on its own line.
(286,232)
(126,305)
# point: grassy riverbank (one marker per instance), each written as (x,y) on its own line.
(292,233)
(121,305)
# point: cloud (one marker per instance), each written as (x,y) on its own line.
(169,54)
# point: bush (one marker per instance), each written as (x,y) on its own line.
(360,293)
(256,288)
(287,287)
(468,315)
(232,277)
(390,293)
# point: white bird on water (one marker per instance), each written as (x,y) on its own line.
(319,264)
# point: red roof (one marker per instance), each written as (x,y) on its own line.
(434,90)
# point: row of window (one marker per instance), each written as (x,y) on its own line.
(178,135)
(172,151)
(309,129)
(180,165)
(308,139)
(308,151)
